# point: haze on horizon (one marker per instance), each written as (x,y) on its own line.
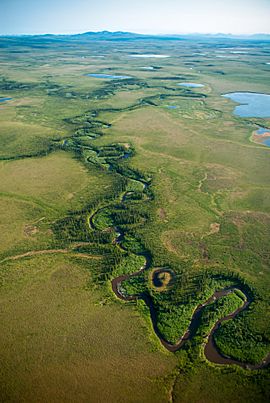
(147,17)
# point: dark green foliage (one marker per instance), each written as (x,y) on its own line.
(76,229)
(218,309)
(240,339)
(11,85)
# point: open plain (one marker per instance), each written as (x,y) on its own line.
(135,216)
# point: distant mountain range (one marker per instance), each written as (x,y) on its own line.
(107,35)
(129,36)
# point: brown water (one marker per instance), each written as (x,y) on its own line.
(211,352)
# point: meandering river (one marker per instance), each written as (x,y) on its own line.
(210,350)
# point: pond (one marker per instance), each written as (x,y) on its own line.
(251,104)
(110,76)
(266,142)
(148,68)
(238,52)
(262,135)
(191,85)
(5,99)
(199,54)
(262,130)
(150,56)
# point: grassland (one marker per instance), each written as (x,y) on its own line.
(38,191)
(204,217)
(59,342)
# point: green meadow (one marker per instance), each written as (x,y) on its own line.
(100,178)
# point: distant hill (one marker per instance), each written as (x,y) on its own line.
(120,35)
(110,36)
(130,36)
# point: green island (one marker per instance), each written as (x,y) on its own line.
(135,221)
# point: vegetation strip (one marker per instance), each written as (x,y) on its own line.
(47,252)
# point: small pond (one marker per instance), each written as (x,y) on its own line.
(264,135)
(266,142)
(110,76)
(262,130)
(5,99)
(238,52)
(191,85)
(150,56)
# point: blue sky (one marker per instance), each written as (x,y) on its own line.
(143,16)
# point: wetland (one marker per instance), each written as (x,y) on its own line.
(135,216)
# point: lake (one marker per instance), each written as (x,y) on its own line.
(191,85)
(110,76)
(251,104)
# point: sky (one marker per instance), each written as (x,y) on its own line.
(141,16)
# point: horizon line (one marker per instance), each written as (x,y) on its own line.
(137,33)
